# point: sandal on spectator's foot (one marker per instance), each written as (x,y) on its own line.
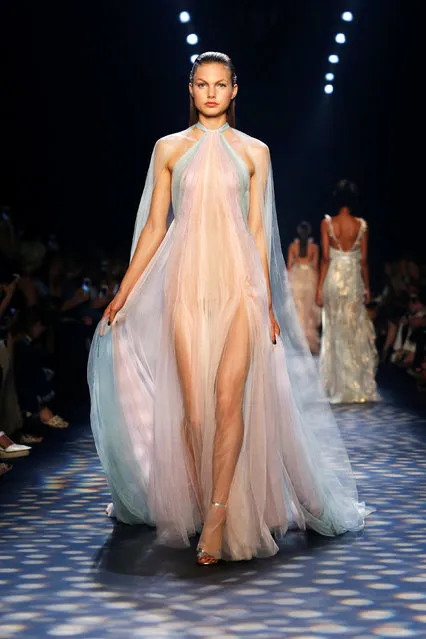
(31,439)
(9,450)
(4,468)
(56,422)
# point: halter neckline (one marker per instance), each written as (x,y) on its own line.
(219,130)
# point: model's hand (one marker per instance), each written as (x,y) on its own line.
(112,309)
(318,298)
(274,328)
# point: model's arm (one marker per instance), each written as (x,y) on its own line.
(153,232)
(9,290)
(290,257)
(325,259)
(315,258)
(255,224)
(150,239)
(364,265)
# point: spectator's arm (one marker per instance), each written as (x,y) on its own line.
(79,297)
(9,290)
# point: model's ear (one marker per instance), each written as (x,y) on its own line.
(191,91)
(234,91)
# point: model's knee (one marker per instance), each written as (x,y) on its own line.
(192,424)
(227,408)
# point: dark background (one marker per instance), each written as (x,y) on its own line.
(88,86)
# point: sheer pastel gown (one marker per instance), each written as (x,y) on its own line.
(191,401)
(303,279)
(348,358)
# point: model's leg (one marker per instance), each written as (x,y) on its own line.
(191,424)
(230,384)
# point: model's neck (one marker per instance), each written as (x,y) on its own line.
(345,210)
(212,124)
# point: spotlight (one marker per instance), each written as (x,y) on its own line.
(194,57)
(334,59)
(328,88)
(347,16)
(329,77)
(184,16)
(340,38)
(192,38)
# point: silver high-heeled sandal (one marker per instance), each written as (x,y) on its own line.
(205,558)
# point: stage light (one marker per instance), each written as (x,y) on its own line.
(334,59)
(192,38)
(347,16)
(184,16)
(340,38)
(194,57)
(329,77)
(328,88)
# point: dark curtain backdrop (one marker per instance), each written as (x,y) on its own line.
(87,88)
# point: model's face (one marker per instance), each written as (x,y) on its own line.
(212,89)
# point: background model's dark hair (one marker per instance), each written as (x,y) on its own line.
(303,231)
(345,194)
(207,58)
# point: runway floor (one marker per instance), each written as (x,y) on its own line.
(67,571)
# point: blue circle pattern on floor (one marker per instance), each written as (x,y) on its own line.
(67,571)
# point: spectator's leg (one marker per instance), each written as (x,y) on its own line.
(10,412)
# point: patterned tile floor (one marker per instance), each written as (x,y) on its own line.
(66,571)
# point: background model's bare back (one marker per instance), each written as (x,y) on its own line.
(346,230)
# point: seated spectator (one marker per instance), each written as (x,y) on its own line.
(32,253)
(33,378)
(389,313)
(418,340)
(403,346)
(8,237)
(10,414)
(74,330)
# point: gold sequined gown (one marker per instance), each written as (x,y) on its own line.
(348,357)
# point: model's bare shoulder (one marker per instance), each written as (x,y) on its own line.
(171,140)
(254,144)
(168,148)
(325,223)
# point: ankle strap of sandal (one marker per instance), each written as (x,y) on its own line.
(217,503)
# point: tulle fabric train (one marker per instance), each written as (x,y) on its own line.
(192,336)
